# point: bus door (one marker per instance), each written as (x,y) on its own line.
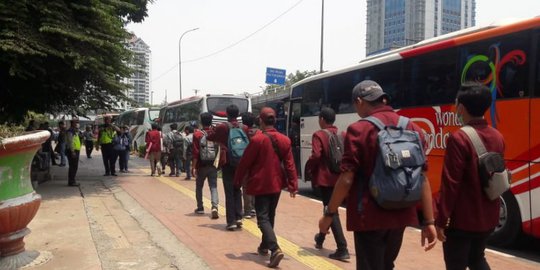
(295,123)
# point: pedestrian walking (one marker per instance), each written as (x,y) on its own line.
(74,140)
(260,170)
(466,216)
(153,149)
(324,175)
(187,151)
(205,154)
(61,143)
(232,139)
(31,125)
(121,146)
(128,148)
(248,119)
(164,157)
(174,143)
(106,134)
(378,230)
(88,141)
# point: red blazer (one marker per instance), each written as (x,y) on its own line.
(462,203)
(317,164)
(260,166)
(153,136)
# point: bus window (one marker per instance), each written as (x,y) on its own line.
(388,75)
(500,63)
(338,92)
(153,114)
(140,118)
(312,98)
(218,105)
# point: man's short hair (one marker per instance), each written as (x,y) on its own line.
(206,119)
(155,126)
(328,115)
(190,129)
(248,119)
(475,97)
(174,126)
(232,111)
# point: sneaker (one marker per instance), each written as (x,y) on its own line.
(199,211)
(171,174)
(215,214)
(319,239)
(340,255)
(253,213)
(75,184)
(247,216)
(275,258)
(239,224)
(230,227)
(262,251)
(177,175)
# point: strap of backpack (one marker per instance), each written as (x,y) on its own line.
(274,145)
(375,121)
(403,122)
(475,139)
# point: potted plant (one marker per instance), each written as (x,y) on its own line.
(18,200)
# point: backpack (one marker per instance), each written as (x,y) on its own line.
(188,145)
(397,178)
(177,141)
(236,144)
(335,151)
(494,176)
(208,150)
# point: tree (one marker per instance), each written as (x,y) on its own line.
(64,56)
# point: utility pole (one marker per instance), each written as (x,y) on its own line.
(322,35)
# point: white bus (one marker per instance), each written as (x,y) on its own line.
(139,122)
(186,111)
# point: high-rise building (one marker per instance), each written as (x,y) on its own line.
(141,63)
(397,23)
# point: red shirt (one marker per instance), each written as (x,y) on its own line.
(260,166)
(220,134)
(197,136)
(317,163)
(462,203)
(252,132)
(153,136)
(361,150)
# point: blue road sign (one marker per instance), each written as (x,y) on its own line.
(275,76)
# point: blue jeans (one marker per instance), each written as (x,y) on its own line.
(233,196)
(187,166)
(210,172)
(175,162)
(265,206)
(63,153)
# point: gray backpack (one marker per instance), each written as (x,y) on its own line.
(335,151)
(208,150)
(397,178)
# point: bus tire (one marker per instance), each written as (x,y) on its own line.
(509,231)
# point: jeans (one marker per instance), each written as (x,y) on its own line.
(63,153)
(377,250)
(154,158)
(122,159)
(187,166)
(89,146)
(175,162)
(73,161)
(109,158)
(337,231)
(265,206)
(249,202)
(210,172)
(464,249)
(233,196)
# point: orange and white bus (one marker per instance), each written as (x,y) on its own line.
(422,81)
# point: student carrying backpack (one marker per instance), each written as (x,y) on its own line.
(208,150)
(236,144)
(335,150)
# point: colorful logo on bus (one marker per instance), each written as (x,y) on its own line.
(495,64)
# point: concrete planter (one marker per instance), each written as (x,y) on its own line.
(18,200)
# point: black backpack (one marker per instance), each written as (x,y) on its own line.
(335,151)
(177,141)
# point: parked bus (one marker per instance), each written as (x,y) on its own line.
(422,81)
(186,111)
(139,122)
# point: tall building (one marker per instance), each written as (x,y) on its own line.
(140,79)
(397,23)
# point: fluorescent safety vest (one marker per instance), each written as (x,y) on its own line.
(76,144)
(107,136)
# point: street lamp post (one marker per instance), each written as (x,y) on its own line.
(322,35)
(180,59)
(151,97)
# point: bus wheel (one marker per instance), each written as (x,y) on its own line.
(508,232)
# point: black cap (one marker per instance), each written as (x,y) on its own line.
(368,90)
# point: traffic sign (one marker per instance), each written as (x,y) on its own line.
(275,76)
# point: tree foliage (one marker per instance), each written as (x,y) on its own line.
(64,56)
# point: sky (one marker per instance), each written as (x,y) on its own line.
(238,39)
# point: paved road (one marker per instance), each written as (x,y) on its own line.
(135,221)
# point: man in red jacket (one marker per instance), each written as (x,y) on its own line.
(466,216)
(153,147)
(260,171)
(378,233)
(325,180)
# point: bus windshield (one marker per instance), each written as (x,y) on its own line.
(218,105)
(154,113)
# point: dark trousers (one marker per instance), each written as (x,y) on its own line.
(175,162)
(337,230)
(122,159)
(377,250)
(109,158)
(187,167)
(73,162)
(465,249)
(233,196)
(89,145)
(265,206)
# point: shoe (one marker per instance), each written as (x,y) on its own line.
(239,224)
(171,174)
(152,175)
(62,165)
(275,258)
(89,157)
(230,227)
(253,213)
(215,214)
(262,251)
(247,216)
(114,174)
(319,239)
(177,175)
(107,174)
(199,211)
(340,255)
(187,178)
(74,184)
